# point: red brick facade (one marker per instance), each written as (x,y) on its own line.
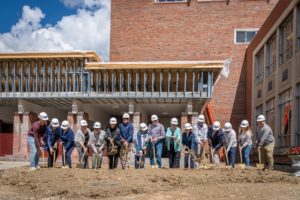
(142,30)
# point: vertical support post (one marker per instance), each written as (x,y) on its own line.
(209,85)
(6,78)
(36,77)
(121,82)
(193,84)
(28,78)
(21,78)
(58,78)
(113,82)
(51,78)
(145,82)
(184,86)
(169,83)
(177,79)
(128,82)
(74,76)
(152,83)
(43,76)
(200,85)
(160,83)
(14,79)
(136,82)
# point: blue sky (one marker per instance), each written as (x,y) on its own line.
(12,11)
(62,25)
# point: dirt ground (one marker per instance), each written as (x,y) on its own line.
(148,183)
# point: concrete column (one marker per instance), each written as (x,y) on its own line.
(184,119)
(194,118)
(136,120)
(22,125)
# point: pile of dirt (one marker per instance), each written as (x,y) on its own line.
(148,183)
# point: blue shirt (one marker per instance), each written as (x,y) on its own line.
(126,131)
(67,139)
(217,138)
(51,136)
(189,140)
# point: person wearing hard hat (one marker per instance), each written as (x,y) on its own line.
(173,137)
(190,146)
(67,139)
(157,133)
(98,144)
(113,137)
(36,140)
(141,142)
(216,140)
(231,143)
(51,138)
(200,130)
(245,140)
(82,138)
(126,131)
(265,142)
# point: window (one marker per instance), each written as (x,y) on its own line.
(286,40)
(270,86)
(298,26)
(270,113)
(259,111)
(166,1)
(285,75)
(242,36)
(271,55)
(285,118)
(298,115)
(259,67)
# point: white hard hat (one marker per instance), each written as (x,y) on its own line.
(201,118)
(97,125)
(83,123)
(244,124)
(113,120)
(43,116)
(65,124)
(216,125)
(187,126)
(261,118)
(126,115)
(154,117)
(143,127)
(54,122)
(174,121)
(227,126)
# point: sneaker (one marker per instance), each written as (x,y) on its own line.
(32,169)
(38,167)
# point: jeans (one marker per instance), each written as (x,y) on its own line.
(246,155)
(174,158)
(67,156)
(158,151)
(231,155)
(189,157)
(113,161)
(99,158)
(51,157)
(34,152)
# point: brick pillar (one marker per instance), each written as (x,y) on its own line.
(194,118)
(136,121)
(184,119)
(22,125)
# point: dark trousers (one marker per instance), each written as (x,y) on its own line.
(174,158)
(68,154)
(51,157)
(113,161)
(231,156)
(188,158)
(136,161)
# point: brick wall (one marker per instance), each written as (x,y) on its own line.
(145,31)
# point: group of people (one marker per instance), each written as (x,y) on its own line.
(196,142)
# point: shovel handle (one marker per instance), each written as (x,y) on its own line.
(241,158)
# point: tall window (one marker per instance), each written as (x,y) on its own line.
(285,118)
(270,113)
(243,36)
(259,110)
(298,115)
(271,55)
(259,67)
(286,40)
(298,26)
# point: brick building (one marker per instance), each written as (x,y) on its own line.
(165,59)
(273,64)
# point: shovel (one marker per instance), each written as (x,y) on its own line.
(259,165)
(241,165)
(227,166)
(79,165)
(154,155)
(140,162)
(64,164)
(53,164)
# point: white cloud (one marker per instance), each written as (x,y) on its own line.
(88,29)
